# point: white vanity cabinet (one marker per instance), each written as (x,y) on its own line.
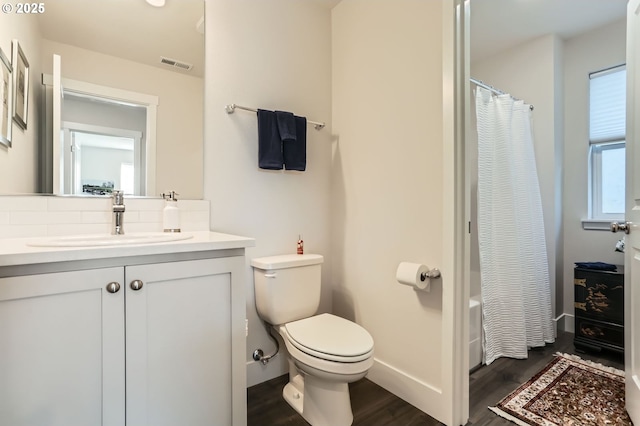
(150,341)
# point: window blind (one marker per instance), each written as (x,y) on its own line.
(607,105)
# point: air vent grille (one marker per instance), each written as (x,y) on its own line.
(175,63)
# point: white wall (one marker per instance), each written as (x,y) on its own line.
(374,191)
(116,116)
(179,133)
(103,165)
(18,164)
(388,202)
(270,55)
(593,51)
(532,72)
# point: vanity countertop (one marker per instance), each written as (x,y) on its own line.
(17,251)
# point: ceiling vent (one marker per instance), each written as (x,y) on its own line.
(175,63)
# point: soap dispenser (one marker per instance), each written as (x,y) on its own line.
(171,213)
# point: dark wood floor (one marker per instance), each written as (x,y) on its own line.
(374,406)
(489,384)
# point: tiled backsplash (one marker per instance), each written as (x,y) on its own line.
(23,216)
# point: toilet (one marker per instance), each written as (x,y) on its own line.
(326,352)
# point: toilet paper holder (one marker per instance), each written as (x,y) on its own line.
(416,275)
(431,273)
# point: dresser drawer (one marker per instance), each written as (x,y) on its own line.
(597,331)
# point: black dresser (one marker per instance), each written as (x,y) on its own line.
(599,309)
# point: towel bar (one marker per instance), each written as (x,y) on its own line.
(232,107)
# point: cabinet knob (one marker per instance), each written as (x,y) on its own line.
(113,287)
(136,285)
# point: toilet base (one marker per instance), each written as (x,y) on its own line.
(308,395)
(293,393)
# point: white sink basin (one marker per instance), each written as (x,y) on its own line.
(104,240)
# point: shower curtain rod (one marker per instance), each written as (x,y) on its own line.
(491,88)
(232,107)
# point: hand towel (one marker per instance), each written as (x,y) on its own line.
(295,152)
(269,143)
(286,125)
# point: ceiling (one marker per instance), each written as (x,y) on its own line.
(134,30)
(130,29)
(500,24)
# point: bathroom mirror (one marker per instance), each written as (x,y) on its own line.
(125,46)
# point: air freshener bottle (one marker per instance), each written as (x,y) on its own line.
(171,213)
(300,245)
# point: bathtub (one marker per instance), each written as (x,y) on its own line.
(475,332)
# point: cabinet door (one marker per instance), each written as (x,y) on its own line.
(185,343)
(62,349)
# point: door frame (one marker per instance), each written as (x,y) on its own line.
(456,112)
(150,102)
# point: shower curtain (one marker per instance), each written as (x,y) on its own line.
(516,299)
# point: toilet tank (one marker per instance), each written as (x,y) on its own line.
(287,287)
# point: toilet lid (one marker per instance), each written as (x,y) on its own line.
(330,337)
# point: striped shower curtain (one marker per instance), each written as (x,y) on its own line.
(516,296)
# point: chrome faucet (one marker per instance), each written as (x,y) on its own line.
(118,213)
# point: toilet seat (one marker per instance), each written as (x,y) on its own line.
(331,338)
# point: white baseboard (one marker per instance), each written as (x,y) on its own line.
(416,392)
(566,322)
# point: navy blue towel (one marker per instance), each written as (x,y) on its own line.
(269,144)
(295,152)
(286,125)
(599,266)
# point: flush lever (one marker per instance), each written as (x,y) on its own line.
(626,227)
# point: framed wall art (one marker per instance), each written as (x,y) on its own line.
(6,100)
(20,85)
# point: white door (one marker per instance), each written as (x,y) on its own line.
(632,252)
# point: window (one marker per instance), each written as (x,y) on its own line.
(607,114)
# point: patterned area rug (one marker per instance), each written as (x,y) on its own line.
(569,391)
